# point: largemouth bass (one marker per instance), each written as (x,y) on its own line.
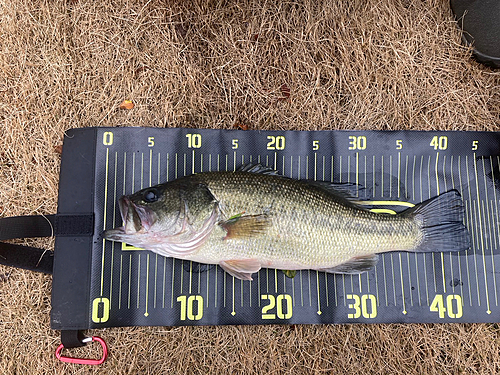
(254,218)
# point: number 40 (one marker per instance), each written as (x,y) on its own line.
(437,305)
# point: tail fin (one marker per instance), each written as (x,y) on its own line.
(441,219)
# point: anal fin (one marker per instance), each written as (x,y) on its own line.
(241,268)
(355,265)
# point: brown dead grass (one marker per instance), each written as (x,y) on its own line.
(372,64)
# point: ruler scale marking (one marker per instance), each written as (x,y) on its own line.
(445,172)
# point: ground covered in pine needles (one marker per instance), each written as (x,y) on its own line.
(302,65)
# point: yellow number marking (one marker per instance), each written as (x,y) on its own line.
(355,306)
(187,307)
(357,143)
(107,138)
(439,143)
(194,140)
(437,305)
(279,302)
(366,306)
(104,302)
(127,247)
(276,142)
(265,309)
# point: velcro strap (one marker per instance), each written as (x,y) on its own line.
(74,225)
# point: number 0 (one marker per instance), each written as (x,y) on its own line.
(373,306)
(190,307)
(104,304)
(107,138)
(279,302)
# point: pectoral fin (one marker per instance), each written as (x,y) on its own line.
(241,268)
(244,226)
(355,265)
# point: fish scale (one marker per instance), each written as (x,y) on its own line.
(310,228)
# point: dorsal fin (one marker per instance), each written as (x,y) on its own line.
(257,168)
(349,191)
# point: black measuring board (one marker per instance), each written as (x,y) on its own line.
(99,283)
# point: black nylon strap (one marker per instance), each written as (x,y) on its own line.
(26,227)
(46,226)
(32,258)
(72,338)
(26,257)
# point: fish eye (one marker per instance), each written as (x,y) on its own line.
(150,196)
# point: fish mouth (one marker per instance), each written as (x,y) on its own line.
(136,219)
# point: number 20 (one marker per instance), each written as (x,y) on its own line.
(278,303)
(276,142)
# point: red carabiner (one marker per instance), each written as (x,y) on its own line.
(84,361)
